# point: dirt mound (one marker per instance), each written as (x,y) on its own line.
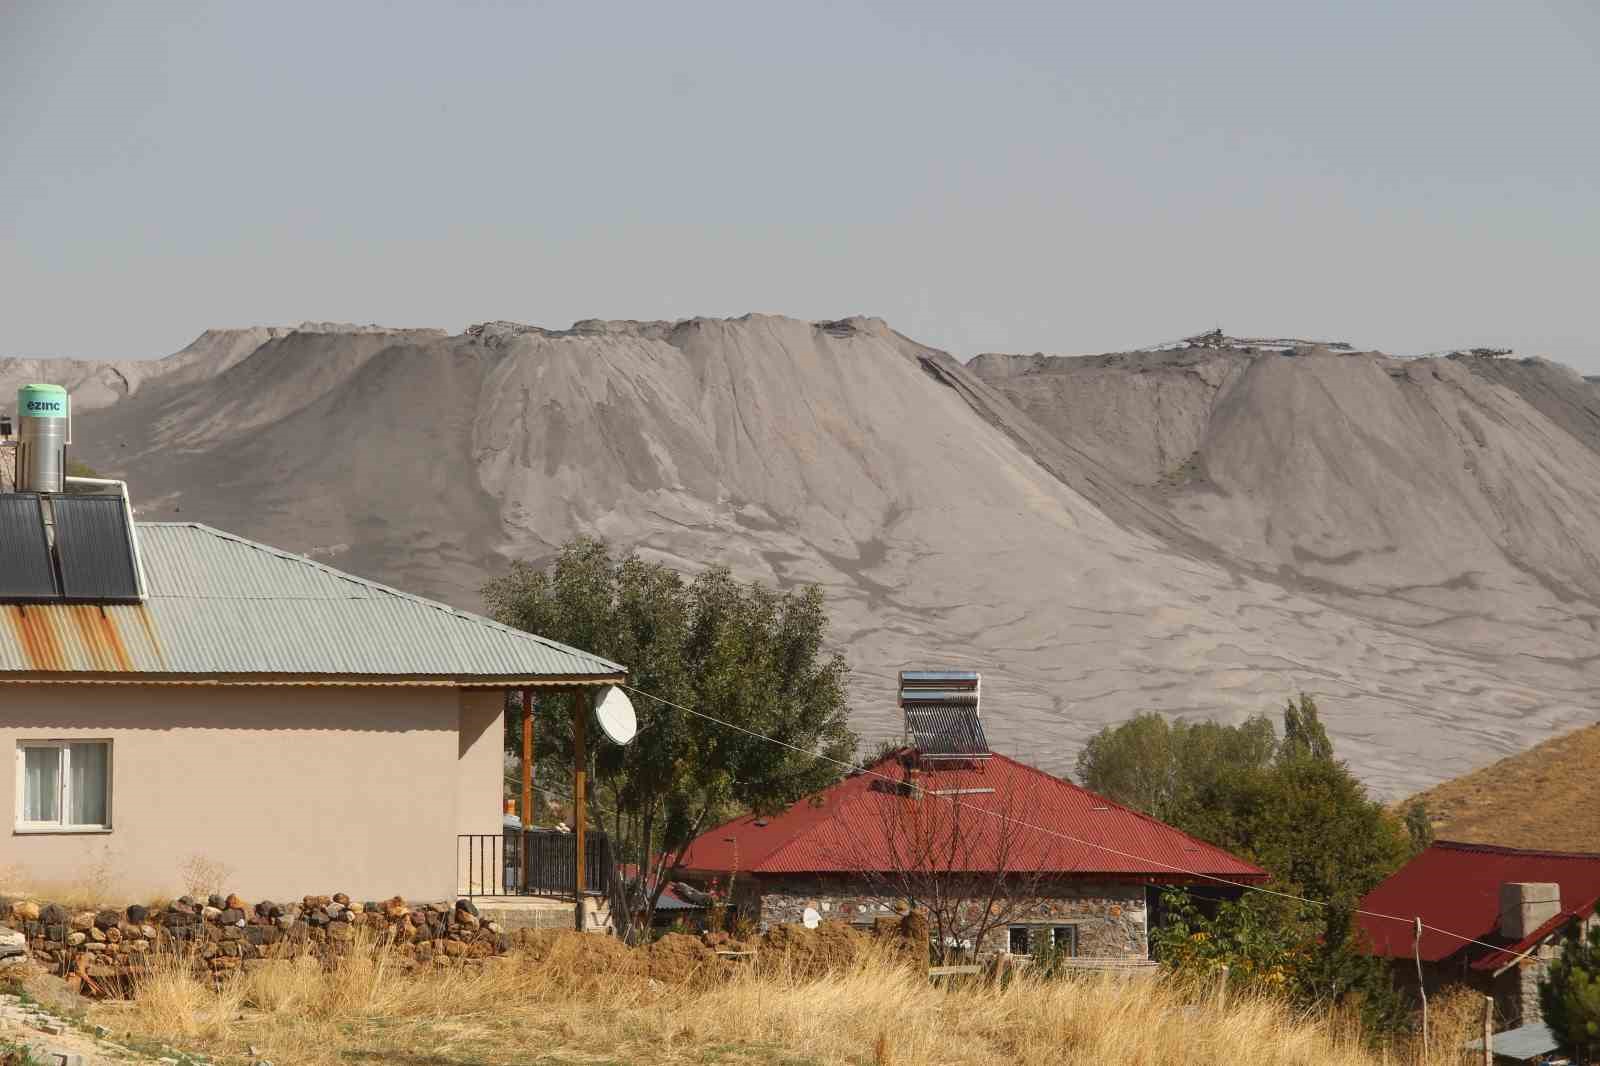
(680,959)
(831,946)
(1203,530)
(675,959)
(578,953)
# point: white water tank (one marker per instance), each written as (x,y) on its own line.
(44,429)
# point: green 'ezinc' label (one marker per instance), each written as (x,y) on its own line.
(42,401)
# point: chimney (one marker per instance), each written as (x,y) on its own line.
(1526,905)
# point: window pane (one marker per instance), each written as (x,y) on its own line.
(1019,940)
(41,785)
(87,785)
(1066,941)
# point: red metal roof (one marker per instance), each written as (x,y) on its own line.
(862,822)
(1456,886)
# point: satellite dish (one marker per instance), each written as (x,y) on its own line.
(811,918)
(615,713)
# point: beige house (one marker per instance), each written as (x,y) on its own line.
(232,706)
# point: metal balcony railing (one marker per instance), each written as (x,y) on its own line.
(531,862)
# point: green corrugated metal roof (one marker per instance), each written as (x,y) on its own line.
(220,604)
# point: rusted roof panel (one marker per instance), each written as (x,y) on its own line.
(220,604)
(55,637)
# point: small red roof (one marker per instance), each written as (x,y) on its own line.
(862,822)
(1456,886)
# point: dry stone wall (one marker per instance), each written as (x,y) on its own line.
(101,950)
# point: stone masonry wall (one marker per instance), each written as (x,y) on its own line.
(1111,917)
(1516,992)
(99,950)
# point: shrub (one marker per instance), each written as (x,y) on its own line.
(1569,995)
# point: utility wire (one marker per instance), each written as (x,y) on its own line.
(853,767)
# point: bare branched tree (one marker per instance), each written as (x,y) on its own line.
(947,844)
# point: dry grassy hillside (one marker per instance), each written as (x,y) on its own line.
(1545,797)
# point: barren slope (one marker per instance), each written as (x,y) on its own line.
(1192,531)
(1545,797)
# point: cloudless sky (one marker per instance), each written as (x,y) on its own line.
(986,176)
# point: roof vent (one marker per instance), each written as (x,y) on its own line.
(941,713)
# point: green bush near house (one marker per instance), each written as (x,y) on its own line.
(1290,807)
(1569,995)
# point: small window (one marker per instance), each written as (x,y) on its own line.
(1064,940)
(1019,940)
(64,784)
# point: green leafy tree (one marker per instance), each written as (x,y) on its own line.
(1303,734)
(1569,995)
(1291,808)
(1265,941)
(1309,823)
(1419,826)
(1134,763)
(735,651)
(1163,767)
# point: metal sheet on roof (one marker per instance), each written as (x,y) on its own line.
(220,604)
(26,572)
(95,550)
(1456,886)
(1010,815)
(1524,1043)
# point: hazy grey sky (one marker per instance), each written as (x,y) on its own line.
(994,176)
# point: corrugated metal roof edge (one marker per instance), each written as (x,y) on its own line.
(1509,955)
(350,680)
(379,587)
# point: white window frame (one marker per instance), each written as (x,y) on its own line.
(63,801)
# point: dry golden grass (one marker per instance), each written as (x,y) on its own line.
(562,1004)
(202,876)
(1544,797)
(92,888)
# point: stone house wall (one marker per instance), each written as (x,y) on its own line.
(1515,992)
(1111,917)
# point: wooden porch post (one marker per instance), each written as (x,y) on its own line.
(580,776)
(527,787)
